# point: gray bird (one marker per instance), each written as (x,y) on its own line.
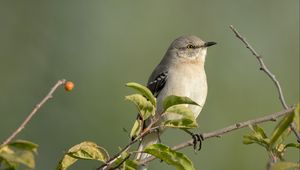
(180,72)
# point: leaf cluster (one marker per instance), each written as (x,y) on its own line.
(275,143)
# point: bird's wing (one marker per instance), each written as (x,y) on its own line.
(157,83)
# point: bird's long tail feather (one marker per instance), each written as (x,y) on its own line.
(150,139)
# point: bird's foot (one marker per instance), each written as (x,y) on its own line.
(197,138)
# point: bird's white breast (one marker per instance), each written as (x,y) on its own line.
(186,79)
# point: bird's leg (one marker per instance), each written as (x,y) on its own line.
(196,138)
(158,135)
(159,139)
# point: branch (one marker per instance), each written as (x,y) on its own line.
(265,69)
(220,132)
(32,113)
(146,131)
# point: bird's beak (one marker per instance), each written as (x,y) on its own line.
(207,44)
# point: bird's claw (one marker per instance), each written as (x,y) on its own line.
(197,138)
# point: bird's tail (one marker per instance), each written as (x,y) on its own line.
(150,139)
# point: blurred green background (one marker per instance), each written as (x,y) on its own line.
(101,45)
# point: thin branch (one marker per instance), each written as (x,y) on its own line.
(265,69)
(146,131)
(220,132)
(32,113)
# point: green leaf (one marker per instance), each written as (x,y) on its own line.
(10,168)
(171,157)
(284,135)
(127,164)
(6,164)
(257,136)
(285,165)
(181,123)
(294,145)
(144,91)
(248,139)
(130,165)
(24,145)
(86,151)
(17,156)
(136,129)
(19,152)
(179,116)
(281,127)
(180,111)
(144,106)
(89,151)
(176,100)
(66,162)
(259,131)
(288,131)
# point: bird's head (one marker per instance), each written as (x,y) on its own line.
(189,47)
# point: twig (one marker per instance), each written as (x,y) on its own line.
(32,113)
(265,69)
(218,133)
(147,131)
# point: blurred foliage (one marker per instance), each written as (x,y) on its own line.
(19,152)
(103,44)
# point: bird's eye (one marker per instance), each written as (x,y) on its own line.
(190,46)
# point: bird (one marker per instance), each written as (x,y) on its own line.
(180,72)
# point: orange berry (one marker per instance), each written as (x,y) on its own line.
(69,86)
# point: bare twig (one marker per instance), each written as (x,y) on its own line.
(32,113)
(220,132)
(265,69)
